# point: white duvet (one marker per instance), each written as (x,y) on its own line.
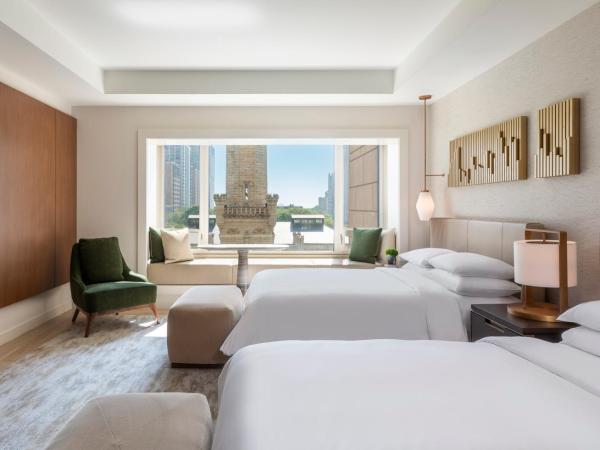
(345,304)
(497,394)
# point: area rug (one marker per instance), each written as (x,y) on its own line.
(39,393)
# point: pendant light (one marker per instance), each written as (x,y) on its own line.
(425,205)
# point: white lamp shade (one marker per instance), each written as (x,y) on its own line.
(536,263)
(425,205)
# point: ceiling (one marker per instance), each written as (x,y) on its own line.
(264,52)
(267,34)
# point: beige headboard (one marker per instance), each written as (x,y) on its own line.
(486,237)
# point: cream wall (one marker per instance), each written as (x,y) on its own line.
(107,153)
(562,64)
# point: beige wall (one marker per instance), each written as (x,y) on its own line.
(363,186)
(107,153)
(562,64)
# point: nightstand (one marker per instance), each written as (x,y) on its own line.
(494,320)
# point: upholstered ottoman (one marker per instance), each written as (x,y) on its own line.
(199,321)
(173,421)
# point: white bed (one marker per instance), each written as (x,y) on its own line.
(497,394)
(355,304)
(346,304)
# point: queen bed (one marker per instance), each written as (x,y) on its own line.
(496,394)
(355,304)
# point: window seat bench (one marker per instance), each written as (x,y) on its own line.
(224,270)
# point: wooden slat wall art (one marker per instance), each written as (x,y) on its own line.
(490,155)
(558,140)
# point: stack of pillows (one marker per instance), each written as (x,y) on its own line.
(586,336)
(468,274)
(170,246)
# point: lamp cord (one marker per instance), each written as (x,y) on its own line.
(425,144)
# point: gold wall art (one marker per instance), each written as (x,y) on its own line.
(491,155)
(558,139)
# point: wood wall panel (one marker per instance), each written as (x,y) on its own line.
(66,193)
(33,200)
(558,140)
(490,155)
(27,180)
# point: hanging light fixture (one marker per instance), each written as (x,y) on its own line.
(425,205)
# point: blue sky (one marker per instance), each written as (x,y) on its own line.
(298,173)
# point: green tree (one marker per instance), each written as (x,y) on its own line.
(179,217)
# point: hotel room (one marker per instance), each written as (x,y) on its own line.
(281,225)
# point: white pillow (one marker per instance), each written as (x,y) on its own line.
(585,314)
(584,339)
(421,256)
(416,268)
(473,265)
(474,286)
(388,240)
(176,244)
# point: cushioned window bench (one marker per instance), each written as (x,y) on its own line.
(224,270)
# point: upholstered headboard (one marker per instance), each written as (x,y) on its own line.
(486,237)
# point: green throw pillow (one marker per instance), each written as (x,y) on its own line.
(101,260)
(157,252)
(365,244)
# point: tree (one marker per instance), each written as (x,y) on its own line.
(179,217)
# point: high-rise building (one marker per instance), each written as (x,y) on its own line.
(322,204)
(330,195)
(182,177)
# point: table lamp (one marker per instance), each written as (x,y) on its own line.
(546,263)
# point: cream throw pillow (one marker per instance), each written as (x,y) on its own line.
(177,245)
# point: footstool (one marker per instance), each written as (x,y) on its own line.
(174,421)
(198,323)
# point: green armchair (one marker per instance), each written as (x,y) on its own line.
(102,283)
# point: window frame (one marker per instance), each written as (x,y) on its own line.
(150,168)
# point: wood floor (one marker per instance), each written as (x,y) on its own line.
(17,348)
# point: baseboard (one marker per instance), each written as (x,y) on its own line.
(21,317)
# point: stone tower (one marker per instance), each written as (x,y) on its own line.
(246,213)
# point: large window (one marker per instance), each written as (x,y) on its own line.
(287,193)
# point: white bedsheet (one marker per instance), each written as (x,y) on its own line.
(497,394)
(345,304)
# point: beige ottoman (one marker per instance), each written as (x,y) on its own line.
(173,421)
(198,323)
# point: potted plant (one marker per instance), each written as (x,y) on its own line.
(391,256)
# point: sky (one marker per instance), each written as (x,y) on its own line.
(298,173)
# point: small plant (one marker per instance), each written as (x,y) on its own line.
(391,256)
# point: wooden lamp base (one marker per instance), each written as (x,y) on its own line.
(545,312)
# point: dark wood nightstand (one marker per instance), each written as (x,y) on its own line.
(494,320)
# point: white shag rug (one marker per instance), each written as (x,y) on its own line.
(40,392)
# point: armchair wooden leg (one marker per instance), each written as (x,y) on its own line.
(155,312)
(90,317)
(75,314)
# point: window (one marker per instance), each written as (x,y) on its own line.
(181,187)
(304,195)
(263,193)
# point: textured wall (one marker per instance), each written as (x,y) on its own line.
(562,64)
